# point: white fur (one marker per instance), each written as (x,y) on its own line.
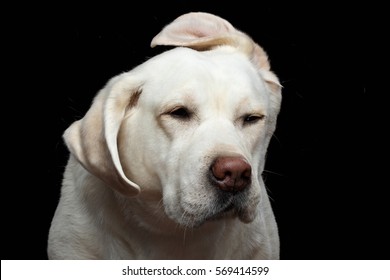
(136,185)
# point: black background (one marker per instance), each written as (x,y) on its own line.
(324,164)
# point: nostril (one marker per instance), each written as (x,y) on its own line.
(231,174)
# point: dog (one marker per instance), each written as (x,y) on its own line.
(167,162)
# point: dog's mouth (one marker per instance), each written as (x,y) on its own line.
(228,211)
(228,208)
(224,205)
(235,208)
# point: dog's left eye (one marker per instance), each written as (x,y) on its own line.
(180,113)
(249,119)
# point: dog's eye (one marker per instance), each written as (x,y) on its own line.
(249,119)
(180,113)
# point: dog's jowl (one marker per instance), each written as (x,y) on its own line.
(167,163)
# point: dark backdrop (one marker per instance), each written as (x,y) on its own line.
(322,167)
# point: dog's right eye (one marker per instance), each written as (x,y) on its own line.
(180,113)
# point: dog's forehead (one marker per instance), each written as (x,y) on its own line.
(219,71)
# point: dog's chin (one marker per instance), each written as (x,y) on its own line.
(228,213)
(245,215)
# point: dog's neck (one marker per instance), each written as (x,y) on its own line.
(156,230)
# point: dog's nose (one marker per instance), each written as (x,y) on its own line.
(231,174)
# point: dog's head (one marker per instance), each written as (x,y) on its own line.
(191,124)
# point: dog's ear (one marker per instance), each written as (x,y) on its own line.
(204,31)
(93,139)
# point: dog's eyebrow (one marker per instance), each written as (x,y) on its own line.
(183,100)
(247,105)
(171,106)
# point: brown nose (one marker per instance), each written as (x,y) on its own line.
(231,174)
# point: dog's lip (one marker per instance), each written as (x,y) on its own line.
(223,215)
(229,210)
(236,207)
(233,201)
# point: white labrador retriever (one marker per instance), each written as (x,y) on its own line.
(168,161)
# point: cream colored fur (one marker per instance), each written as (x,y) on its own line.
(137,182)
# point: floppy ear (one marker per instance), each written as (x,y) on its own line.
(93,139)
(204,31)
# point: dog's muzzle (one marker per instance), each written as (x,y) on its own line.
(232,177)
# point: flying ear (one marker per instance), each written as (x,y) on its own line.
(93,139)
(197,30)
(204,31)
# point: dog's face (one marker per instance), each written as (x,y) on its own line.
(198,133)
(189,126)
